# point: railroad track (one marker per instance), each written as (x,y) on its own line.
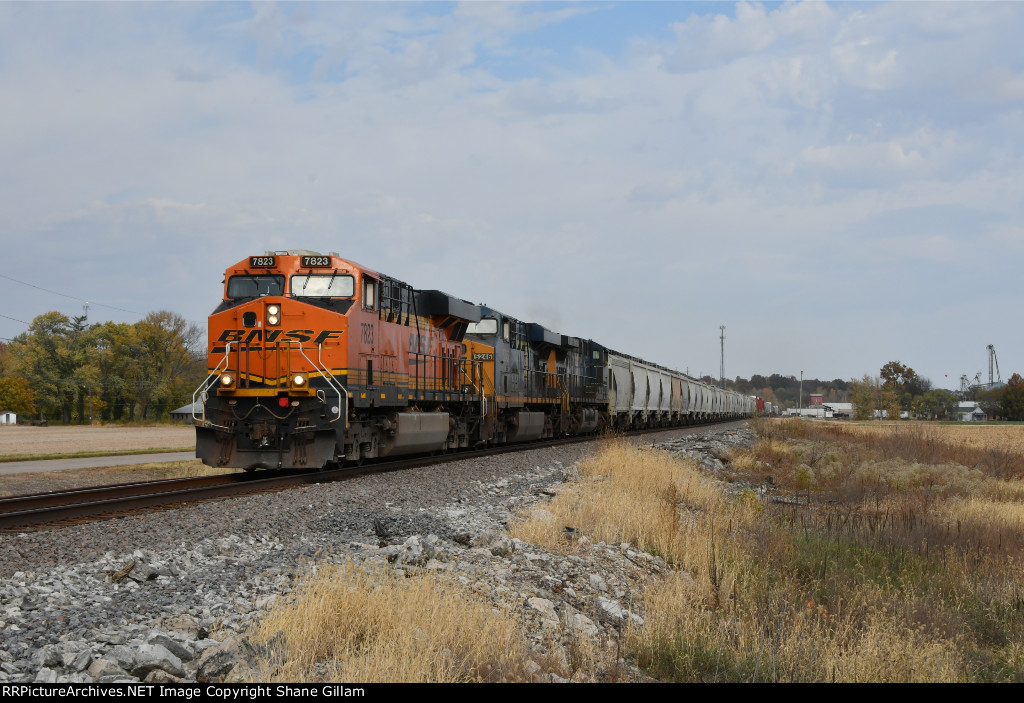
(116,499)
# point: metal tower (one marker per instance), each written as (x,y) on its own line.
(721,370)
(992,360)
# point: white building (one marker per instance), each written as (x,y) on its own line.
(970,411)
(838,409)
(818,411)
(8,418)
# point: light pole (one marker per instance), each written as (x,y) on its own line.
(801,394)
(721,370)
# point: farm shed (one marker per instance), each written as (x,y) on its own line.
(970,411)
(184,413)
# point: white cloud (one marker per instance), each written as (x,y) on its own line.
(789,153)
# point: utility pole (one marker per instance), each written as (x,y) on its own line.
(721,371)
(801,392)
(85,321)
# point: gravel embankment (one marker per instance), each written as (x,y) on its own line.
(216,567)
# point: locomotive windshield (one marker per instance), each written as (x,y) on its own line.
(486,326)
(318,285)
(254,285)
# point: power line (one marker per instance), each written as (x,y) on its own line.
(131,385)
(15,319)
(65,295)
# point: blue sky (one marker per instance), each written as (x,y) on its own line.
(838,184)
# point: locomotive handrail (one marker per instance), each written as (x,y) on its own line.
(478,366)
(564,388)
(486,383)
(205,386)
(467,376)
(439,383)
(331,381)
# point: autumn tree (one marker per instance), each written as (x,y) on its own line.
(170,362)
(936,405)
(53,357)
(112,341)
(5,359)
(891,401)
(991,401)
(1012,400)
(85,374)
(865,397)
(111,369)
(902,387)
(17,395)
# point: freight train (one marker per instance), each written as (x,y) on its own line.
(315,360)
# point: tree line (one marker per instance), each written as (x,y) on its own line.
(1006,402)
(64,369)
(784,391)
(898,388)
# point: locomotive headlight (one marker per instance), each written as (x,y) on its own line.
(273,319)
(299,380)
(273,314)
(273,309)
(227,380)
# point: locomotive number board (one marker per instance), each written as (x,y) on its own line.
(262,262)
(315,261)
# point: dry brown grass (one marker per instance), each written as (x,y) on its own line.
(352,623)
(997,450)
(878,569)
(29,441)
(881,565)
(786,637)
(628,494)
(977,435)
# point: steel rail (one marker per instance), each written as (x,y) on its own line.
(109,500)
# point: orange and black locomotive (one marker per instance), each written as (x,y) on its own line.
(315,360)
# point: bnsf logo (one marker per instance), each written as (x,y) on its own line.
(250,336)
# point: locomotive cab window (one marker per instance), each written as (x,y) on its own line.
(369,293)
(255,285)
(320,285)
(486,326)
